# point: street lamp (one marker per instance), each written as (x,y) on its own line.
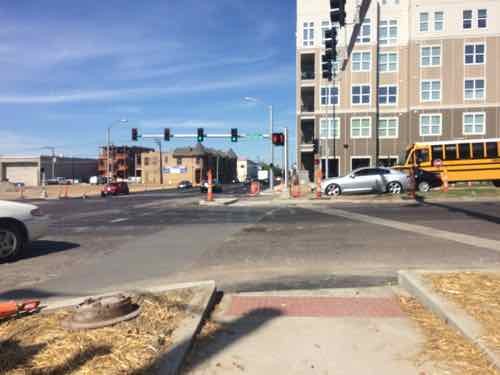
(108,159)
(271,129)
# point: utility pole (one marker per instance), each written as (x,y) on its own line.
(158,142)
(53,151)
(286,159)
(377,90)
(271,172)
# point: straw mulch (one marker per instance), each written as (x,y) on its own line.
(478,294)
(446,349)
(38,345)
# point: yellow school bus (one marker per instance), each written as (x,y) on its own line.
(464,160)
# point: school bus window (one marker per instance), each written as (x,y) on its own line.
(464,150)
(478,150)
(492,149)
(450,152)
(437,152)
(422,155)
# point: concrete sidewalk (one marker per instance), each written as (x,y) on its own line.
(344,331)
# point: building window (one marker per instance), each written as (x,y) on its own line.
(467,19)
(365,32)
(308,36)
(388,32)
(179,161)
(360,162)
(146,161)
(431,125)
(388,62)
(474,54)
(424,22)
(474,89)
(438,21)
(482,18)
(388,161)
(388,95)
(430,91)
(361,61)
(198,159)
(430,56)
(388,127)
(361,127)
(474,123)
(360,94)
(326,129)
(329,95)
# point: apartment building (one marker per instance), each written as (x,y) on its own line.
(438,80)
(123,162)
(189,164)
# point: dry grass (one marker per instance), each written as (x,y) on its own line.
(446,348)
(38,345)
(478,294)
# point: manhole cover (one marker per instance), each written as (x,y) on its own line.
(102,312)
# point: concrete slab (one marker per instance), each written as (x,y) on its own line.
(271,340)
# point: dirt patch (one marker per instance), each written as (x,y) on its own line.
(39,345)
(446,348)
(478,294)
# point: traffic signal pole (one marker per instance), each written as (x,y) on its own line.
(377,91)
(271,128)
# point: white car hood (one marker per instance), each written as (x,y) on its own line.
(15,209)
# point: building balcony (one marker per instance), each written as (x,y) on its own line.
(307,99)
(307,67)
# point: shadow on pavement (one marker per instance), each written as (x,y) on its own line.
(470,213)
(209,345)
(29,293)
(41,248)
(308,282)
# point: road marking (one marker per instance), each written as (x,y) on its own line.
(420,229)
(121,220)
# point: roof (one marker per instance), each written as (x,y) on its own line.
(200,150)
(477,140)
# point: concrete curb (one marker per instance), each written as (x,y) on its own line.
(184,336)
(412,282)
(198,308)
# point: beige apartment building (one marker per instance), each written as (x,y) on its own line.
(188,164)
(439,80)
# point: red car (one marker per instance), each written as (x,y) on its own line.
(115,188)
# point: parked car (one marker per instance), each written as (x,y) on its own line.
(425,181)
(19,225)
(115,188)
(216,187)
(367,180)
(185,185)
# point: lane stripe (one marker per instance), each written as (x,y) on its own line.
(121,220)
(420,229)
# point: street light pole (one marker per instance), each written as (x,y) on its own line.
(158,142)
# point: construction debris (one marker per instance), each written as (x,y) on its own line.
(38,344)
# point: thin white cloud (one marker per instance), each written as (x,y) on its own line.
(160,123)
(12,143)
(279,76)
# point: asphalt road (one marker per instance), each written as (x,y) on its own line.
(99,244)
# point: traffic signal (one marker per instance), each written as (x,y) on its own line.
(278,139)
(337,12)
(166,134)
(326,67)
(201,135)
(234,135)
(330,53)
(315,146)
(135,134)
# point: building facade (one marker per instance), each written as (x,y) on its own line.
(123,162)
(438,80)
(247,169)
(188,164)
(29,170)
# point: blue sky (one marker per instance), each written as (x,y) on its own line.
(69,69)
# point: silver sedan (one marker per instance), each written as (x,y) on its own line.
(367,180)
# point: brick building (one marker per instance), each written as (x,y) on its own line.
(124,161)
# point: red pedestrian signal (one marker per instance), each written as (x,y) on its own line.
(278,139)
